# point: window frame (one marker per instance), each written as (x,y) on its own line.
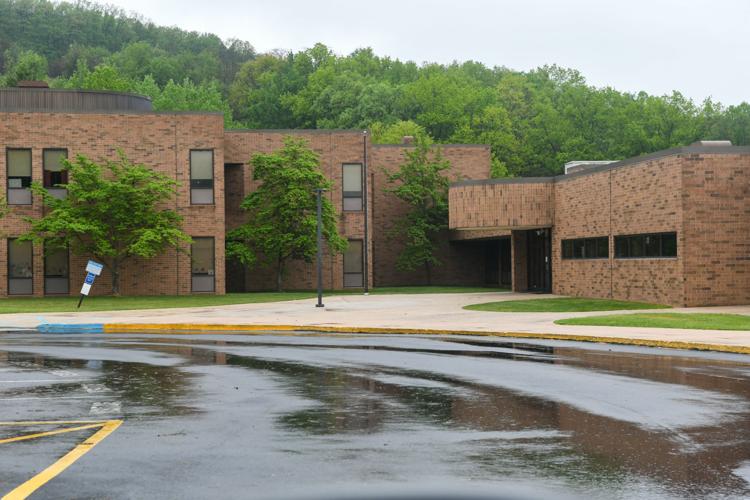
(9,242)
(569,247)
(361,191)
(213,257)
(7,176)
(361,272)
(47,276)
(213,175)
(44,169)
(627,241)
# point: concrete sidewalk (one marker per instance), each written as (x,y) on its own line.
(416,311)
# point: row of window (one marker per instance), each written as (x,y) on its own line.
(633,246)
(201,177)
(57,268)
(202,257)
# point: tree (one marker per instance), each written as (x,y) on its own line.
(112,211)
(27,65)
(421,183)
(282,216)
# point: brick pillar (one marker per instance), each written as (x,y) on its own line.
(519,269)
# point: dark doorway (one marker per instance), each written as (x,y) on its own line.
(539,250)
(235,276)
(505,262)
(491,263)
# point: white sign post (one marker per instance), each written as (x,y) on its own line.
(93,269)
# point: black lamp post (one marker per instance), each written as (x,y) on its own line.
(319,193)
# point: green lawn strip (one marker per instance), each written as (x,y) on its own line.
(562,304)
(68,304)
(692,321)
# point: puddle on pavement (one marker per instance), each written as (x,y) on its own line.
(493,432)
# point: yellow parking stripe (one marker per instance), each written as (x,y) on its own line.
(63,463)
(48,433)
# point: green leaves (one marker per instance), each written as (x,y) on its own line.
(281,213)
(422,184)
(113,211)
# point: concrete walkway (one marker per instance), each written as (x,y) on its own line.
(417,311)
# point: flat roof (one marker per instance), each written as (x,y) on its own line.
(682,150)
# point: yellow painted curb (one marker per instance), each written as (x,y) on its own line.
(197,328)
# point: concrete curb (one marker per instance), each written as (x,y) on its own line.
(196,328)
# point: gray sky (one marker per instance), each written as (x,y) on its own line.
(699,47)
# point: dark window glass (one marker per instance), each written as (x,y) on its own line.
(652,245)
(201,177)
(669,245)
(567,249)
(202,264)
(54,168)
(352,183)
(56,271)
(18,162)
(20,267)
(354,264)
(586,248)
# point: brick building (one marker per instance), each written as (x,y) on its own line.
(670,227)
(39,126)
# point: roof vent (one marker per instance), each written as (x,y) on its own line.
(712,144)
(580,165)
(32,84)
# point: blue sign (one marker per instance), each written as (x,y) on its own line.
(90,278)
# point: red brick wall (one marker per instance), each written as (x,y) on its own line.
(459,260)
(161,141)
(503,205)
(334,149)
(716,201)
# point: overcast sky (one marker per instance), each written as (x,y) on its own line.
(699,47)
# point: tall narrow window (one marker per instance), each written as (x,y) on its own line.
(55,175)
(19,176)
(354,265)
(352,187)
(201,177)
(56,271)
(202,257)
(20,268)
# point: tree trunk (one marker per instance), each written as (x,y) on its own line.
(116,281)
(279,274)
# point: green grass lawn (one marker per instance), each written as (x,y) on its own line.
(693,321)
(68,304)
(562,304)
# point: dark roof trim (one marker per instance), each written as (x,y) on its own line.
(505,180)
(684,150)
(72,91)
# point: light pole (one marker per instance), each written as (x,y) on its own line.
(319,193)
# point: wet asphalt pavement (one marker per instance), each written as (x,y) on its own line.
(308,416)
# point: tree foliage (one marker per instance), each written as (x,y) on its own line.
(282,213)
(113,212)
(534,121)
(421,183)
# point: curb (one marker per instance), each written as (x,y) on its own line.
(196,328)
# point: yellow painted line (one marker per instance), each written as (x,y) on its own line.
(48,433)
(197,328)
(36,482)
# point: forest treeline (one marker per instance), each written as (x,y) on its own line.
(534,121)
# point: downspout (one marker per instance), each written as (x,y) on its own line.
(365,249)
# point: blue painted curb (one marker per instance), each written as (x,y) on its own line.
(71,328)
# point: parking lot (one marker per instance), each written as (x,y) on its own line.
(312,416)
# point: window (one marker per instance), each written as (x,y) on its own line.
(56,271)
(201,177)
(352,187)
(586,248)
(653,245)
(354,265)
(20,268)
(202,265)
(18,162)
(55,174)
